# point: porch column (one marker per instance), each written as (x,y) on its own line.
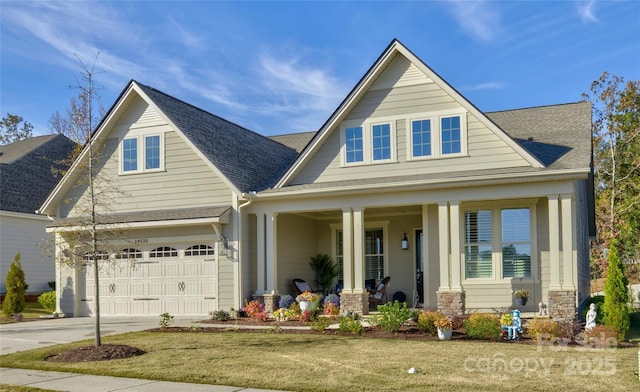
(443,239)
(554,243)
(347,250)
(568,282)
(272,252)
(358,250)
(261,252)
(454,224)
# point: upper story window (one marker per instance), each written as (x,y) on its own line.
(142,153)
(368,142)
(437,136)
(199,250)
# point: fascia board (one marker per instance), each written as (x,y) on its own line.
(139,225)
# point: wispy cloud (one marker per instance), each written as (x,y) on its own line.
(480,19)
(586,11)
(484,86)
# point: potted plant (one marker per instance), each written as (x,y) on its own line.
(307,300)
(326,270)
(445,327)
(521,296)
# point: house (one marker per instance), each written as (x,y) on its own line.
(216,214)
(26,179)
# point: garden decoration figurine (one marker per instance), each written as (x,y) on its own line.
(516,325)
(542,309)
(591,317)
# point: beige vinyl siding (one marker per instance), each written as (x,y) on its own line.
(187,180)
(297,242)
(399,105)
(400,72)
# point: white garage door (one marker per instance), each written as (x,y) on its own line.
(163,279)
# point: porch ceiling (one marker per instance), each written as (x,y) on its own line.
(369,212)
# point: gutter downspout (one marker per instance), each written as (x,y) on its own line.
(249,197)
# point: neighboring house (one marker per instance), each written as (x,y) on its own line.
(26,178)
(217,214)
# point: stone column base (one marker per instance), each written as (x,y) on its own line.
(354,303)
(270,302)
(562,305)
(451,303)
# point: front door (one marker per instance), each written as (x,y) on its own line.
(419,267)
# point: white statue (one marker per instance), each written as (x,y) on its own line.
(542,309)
(591,317)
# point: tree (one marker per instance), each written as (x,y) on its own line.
(326,270)
(16,286)
(10,130)
(616,144)
(616,294)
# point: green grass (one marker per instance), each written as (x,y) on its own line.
(308,362)
(32,311)
(16,388)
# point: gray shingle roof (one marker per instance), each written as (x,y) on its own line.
(297,141)
(25,171)
(250,161)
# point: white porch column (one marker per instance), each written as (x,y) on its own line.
(261,253)
(554,243)
(443,240)
(454,224)
(347,250)
(358,250)
(568,282)
(272,252)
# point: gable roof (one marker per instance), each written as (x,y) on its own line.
(368,80)
(25,171)
(252,162)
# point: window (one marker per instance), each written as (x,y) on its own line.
(450,129)
(516,243)
(146,149)
(354,145)
(421,137)
(381,137)
(100,256)
(163,251)
(340,254)
(373,257)
(478,245)
(199,250)
(129,253)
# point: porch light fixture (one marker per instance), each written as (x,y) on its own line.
(404,244)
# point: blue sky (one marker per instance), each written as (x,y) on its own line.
(282,66)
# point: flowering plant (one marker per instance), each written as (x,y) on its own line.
(285,301)
(521,293)
(506,319)
(443,322)
(331,310)
(307,296)
(332,299)
(283,314)
(255,310)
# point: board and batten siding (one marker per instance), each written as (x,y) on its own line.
(187,180)
(398,97)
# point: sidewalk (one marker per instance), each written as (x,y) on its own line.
(74,382)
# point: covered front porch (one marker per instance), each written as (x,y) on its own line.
(462,256)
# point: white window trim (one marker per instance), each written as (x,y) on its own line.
(141,137)
(496,259)
(436,134)
(367,141)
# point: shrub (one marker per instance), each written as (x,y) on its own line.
(601,336)
(14,301)
(255,310)
(219,315)
(320,324)
(165,320)
(616,296)
(483,326)
(306,316)
(393,315)
(331,310)
(426,319)
(351,325)
(48,300)
(599,301)
(543,329)
(286,301)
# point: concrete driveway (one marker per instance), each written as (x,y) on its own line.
(28,335)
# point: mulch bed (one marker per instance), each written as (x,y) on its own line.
(104,352)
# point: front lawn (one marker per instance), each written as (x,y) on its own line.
(32,311)
(312,362)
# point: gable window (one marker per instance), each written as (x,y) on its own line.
(516,243)
(478,245)
(381,137)
(421,138)
(450,130)
(163,251)
(199,250)
(142,153)
(354,145)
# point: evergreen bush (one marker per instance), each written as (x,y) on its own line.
(616,294)
(483,326)
(48,301)
(14,301)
